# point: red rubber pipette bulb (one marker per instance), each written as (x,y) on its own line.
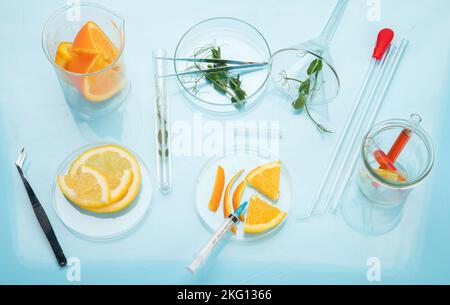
(385,37)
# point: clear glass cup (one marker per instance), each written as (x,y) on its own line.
(414,163)
(95,92)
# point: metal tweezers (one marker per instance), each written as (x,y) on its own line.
(238,65)
(41,216)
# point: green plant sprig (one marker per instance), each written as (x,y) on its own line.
(307,90)
(222,81)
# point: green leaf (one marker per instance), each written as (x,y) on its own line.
(215,53)
(222,81)
(315,66)
(235,86)
(299,103)
(304,87)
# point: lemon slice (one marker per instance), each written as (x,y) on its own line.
(87,189)
(114,162)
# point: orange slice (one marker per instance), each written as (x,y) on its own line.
(63,54)
(262,216)
(390,175)
(103,86)
(266,179)
(132,190)
(216,195)
(237,195)
(91,37)
(87,189)
(226,198)
(98,87)
(112,161)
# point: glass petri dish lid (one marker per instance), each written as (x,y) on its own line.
(95,226)
(237,40)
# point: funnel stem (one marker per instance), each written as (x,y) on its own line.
(332,24)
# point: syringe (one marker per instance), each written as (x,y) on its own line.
(231,220)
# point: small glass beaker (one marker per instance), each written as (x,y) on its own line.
(98,91)
(413,164)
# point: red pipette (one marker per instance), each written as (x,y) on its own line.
(403,138)
(382,159)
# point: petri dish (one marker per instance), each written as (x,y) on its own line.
(99,227)
(232,161)
(237,40)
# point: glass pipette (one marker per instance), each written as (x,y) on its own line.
(163,153)
(375,103)
(404,137)
(377,64)
(229,222)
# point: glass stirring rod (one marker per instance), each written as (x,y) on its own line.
(230,221)
(163,154)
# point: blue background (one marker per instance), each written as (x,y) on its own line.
(323,249)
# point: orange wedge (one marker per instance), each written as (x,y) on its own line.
(63,54)
(91,37)
(266,179)
(262,216)
(237,195)
(90,52)
(219,183)
(85,63)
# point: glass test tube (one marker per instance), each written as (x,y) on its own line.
(404,137)
(163,154)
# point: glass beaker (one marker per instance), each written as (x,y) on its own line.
(98,91)
(413,164)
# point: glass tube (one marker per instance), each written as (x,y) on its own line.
(162,131)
